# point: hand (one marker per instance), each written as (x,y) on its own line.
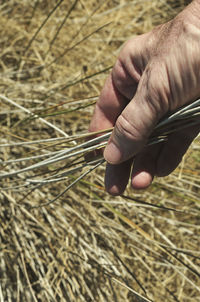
(154,74)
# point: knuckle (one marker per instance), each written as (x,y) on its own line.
(119,72)
(124,128)
(157,92)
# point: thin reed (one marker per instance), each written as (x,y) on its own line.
(182,118)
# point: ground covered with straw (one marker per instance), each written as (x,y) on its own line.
(62,237)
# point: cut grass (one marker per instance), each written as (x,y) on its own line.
(84,245)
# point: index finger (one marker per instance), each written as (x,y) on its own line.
(108,107)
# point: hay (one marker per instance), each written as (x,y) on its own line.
(86,245)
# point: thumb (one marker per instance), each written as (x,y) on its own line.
(135,124)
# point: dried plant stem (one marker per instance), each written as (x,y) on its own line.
(11,102)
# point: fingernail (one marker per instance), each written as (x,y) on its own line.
(112,154)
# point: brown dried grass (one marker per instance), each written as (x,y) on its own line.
(86,246)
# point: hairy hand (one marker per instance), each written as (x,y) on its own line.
(154,74)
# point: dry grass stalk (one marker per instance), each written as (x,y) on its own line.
(84,246)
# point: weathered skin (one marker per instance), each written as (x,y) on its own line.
(154,74)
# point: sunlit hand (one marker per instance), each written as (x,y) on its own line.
(154,74)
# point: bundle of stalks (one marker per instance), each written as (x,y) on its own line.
(74,157)
(62,237)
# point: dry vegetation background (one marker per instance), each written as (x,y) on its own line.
(86,245)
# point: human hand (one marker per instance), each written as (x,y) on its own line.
(154,74)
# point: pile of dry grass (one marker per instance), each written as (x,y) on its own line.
(86,245)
